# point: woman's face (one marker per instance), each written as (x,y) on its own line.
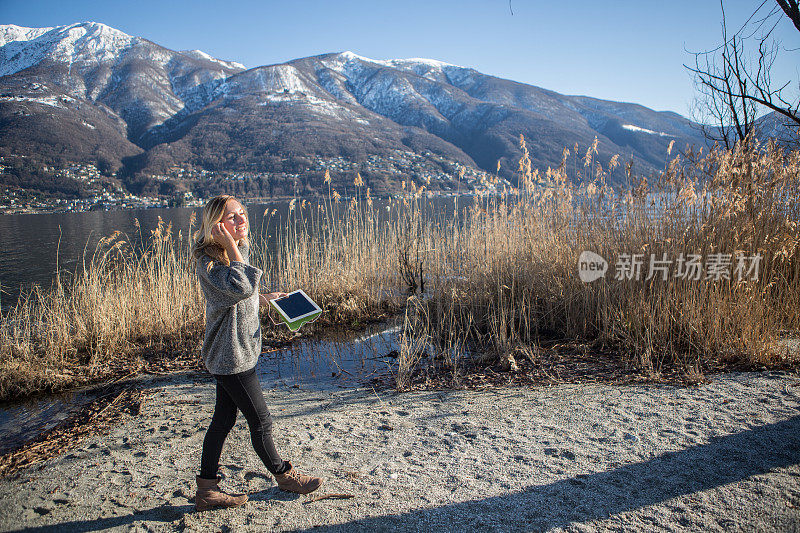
(235,220)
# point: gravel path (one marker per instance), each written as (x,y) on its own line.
(721,456)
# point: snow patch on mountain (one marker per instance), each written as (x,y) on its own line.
(631,127)
(336,84)
(52,101)
(350,56)
(406,64)
(431,69)
(271,79)
(284,77)
(353,65)
(371,83)
(11,32)
(90,42)
(199,54)
(414,61)
(316,105)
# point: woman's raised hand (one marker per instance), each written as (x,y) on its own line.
(222,236)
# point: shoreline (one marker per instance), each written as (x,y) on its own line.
(593,456)
(163,203)
(552,368)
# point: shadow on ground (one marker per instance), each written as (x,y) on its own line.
(583,498)
(601,495)
(164,514)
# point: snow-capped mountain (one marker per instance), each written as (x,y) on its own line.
(88,92)
(80,43)
(141,81)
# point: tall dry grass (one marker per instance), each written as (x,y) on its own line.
(491,281)
(507,275)
(125,297)
(357,261)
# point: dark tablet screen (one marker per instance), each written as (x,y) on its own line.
(295,305)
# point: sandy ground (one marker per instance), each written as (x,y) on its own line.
(721,456)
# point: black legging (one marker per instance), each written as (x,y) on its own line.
(239,392)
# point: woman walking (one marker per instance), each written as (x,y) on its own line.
(231,348)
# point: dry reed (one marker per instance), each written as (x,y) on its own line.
(124,298)
(507,275)
(486,284)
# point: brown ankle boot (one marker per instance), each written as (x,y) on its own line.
(293,481)
(209,496)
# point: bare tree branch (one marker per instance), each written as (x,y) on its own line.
(733,89)
(792,11)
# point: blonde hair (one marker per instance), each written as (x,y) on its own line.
(204,243)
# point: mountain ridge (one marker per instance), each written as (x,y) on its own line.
(141,111)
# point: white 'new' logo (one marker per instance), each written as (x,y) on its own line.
(591,266)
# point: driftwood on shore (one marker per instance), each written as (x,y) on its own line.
(330,496)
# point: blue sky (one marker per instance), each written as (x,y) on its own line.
(621,50)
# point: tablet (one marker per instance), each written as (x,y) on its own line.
(296,309)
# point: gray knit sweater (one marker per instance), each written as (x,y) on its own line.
(232,342)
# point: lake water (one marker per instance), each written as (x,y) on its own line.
(36,246)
